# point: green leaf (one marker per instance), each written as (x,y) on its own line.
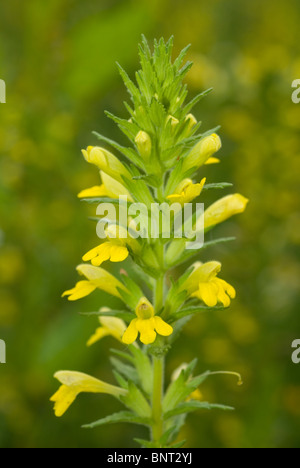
(191,254)
(122,416)
(176,392)
(127,371)
(220,185)
(145,443)
(136,401)
(149,179)
(195,101)
(133,90)
(191,311)
(191,406)
(144,368)
(122,355)
(121,381)
(178,444)
(126,316)
(114,201)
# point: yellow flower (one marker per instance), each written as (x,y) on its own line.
(204,284)
(186,191)
(224,209)
(107,162)
(144,144)
(202,152)
(115,249)
(110,188)
(147,324)
(74,383)
(97,278)
(110,326)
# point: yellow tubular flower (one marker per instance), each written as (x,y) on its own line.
(110,188)
(107,162)
(97,278)
(224,209)
(186,191)
(115,249)
(110,326)
(147,324)
(74,383)
(201,153)
(204,284)
(144,144)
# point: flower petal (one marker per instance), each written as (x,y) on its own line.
(162,327)
(63,399)
(97,191)
(131,333)
(208,293)
(118,253)
(146,329)
(102,251)
(82,289)
(100,333)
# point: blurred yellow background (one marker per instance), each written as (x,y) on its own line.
(58,60)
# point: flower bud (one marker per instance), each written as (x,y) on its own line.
(174,122)
(107,162)
(223,209)
(202,152)
(144,144)
(191,122)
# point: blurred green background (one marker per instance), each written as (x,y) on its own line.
(58,61)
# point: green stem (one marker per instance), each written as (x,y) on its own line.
(158,382)
(158,365)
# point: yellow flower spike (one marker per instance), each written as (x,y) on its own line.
(74,383)
(204,284)
(186,191)
(110,326)
(223,209)
(147,324)
(107,162)
(201,153)
(97,278)
(144,144)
